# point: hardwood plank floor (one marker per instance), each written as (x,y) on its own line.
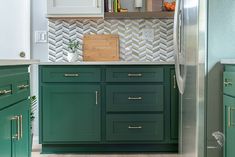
(37,154)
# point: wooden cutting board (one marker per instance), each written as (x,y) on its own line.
(101,47)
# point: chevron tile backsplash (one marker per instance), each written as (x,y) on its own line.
(132,46)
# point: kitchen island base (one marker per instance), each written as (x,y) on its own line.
(108,148)
(108,108)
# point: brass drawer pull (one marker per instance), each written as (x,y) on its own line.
(96,97)
(134,127)
(17,135)
(229,117)
(23,86)
(134,75)
(71,75)
(21,126)
(228,82)
(134,98)
(232,109)
(3,92)
(174,82)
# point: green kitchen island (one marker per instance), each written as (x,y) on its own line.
(108,107)
(15,108)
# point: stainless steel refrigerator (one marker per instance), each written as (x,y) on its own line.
(204,33)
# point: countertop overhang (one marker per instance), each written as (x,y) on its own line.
(107,63)
(12,62)
(227,61)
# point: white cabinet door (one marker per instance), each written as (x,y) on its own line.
(15,29)
(83,8)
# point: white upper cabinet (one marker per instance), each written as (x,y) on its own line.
(75,8)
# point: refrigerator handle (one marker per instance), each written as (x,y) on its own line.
(177,23)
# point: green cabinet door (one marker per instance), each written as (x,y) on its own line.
(14,130)
(174,107)
(6,132)
(21,146)
(229,126)
(70,113)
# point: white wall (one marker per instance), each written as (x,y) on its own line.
(38,50)
(14,29)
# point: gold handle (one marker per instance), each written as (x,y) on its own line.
(17,135)
(23,86)
(134,98)
(134,127)
(228,82)
(229,117)
(134,75)
(96,97)
(174,85)
(71,75)
(21,126)
(3,92)
(18,128)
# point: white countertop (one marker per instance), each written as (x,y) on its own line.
(12,62)
(107,63)
(227,61)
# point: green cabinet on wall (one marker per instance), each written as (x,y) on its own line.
(86,108)
(71,113)
(14,112)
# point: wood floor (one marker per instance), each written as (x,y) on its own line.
(37,154)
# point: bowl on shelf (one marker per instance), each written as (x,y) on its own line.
(169,6)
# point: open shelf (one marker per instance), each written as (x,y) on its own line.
(140,15)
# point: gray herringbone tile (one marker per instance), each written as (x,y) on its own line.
(132,46)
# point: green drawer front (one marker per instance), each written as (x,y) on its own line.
(134,127)
(134,98)
(229,83)
(70,74)
(134,74)
(9,92)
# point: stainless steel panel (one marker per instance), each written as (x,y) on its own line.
(193,99)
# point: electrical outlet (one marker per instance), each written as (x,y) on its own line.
(40,36)
(148,34)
